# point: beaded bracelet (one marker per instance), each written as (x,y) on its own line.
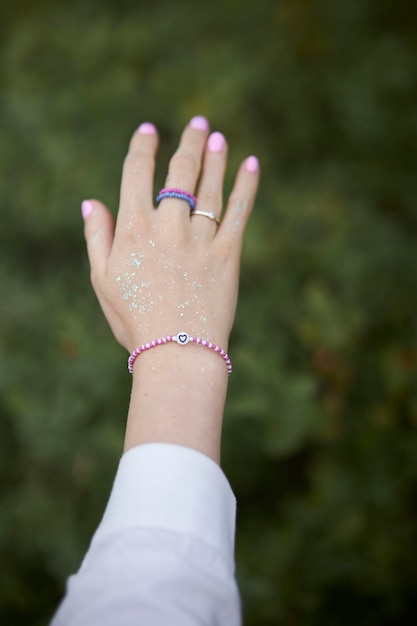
(182,339)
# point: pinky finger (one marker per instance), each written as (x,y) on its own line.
(241,200)
(99,233)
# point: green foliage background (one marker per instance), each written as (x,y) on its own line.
(320,436)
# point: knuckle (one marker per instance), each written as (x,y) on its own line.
(184,162)
(226,248)
(235,201)
(138,160)
(209,196)
(225,252)
(176,232)
(90,232)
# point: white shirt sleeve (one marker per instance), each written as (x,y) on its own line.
(164,551)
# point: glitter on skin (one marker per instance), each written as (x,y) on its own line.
(182,287)
(132,289)
(239,207)
(136,261)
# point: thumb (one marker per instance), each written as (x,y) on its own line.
(99,233)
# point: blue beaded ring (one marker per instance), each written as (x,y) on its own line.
(180,194)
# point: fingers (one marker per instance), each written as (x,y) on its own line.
(210,192)
(185,165)
(138,174)
(99,234)
(184,171)
(241,201)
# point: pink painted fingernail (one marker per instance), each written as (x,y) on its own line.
(146,128)
(216,142)
(86,208)
(252,164)
(199,123)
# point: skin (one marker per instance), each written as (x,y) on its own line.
(157,272)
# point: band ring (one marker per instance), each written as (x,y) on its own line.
(209,214)
(179,194)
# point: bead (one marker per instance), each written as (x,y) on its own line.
(182,338)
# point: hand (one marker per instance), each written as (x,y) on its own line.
(160,271)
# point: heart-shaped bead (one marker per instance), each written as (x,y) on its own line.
(183,338)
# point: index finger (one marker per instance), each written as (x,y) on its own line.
(136,189)
(240,202)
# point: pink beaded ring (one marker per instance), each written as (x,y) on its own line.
(182,338)
(180,194)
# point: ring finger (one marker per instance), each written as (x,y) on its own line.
(184,167)
(210,192)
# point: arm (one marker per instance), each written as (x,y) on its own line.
(183,276)
(158,272)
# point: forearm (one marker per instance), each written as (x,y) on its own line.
(178,397)
(164,551)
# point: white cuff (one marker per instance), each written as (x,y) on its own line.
(174,488)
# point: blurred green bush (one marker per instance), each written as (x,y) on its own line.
(320,436)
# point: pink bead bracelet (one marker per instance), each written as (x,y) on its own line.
(182,339)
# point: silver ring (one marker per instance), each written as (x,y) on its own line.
(209,214)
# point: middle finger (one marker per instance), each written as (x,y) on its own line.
(185,165)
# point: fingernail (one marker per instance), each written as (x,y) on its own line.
(216,142)
(252,164)
(146,128)
(199,123)
(86,208)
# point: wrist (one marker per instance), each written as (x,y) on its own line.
(178,396)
